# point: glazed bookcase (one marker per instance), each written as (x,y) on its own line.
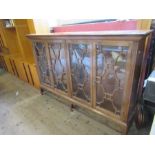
(100,71)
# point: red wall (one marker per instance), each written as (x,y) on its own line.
(116,25)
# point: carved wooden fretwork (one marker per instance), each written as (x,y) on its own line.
(110,76)
(80,70)
(58,65)
(42,62)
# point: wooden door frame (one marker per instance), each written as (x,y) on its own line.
(36,61)
(83,41)
(111,42)
(49,61)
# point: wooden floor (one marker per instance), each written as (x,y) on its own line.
(24,111)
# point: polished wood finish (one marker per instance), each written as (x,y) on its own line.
(100,71)
(96,33)
(17,51)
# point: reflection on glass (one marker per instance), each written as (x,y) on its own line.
(80,69)
(42,62)
(110,76)
(58,65)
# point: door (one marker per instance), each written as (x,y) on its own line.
(110,75)
(58,65)
(80,56)
(40,50)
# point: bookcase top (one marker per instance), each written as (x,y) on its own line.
(97,33)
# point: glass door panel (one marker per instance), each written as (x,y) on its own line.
(110,76)
(40,53)
(58,64)
(80,63)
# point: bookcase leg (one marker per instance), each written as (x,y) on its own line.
(41,91)
(72,107)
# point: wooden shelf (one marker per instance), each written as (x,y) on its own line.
(15,38)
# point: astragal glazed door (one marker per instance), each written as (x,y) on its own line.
(110,75)
(80,53)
